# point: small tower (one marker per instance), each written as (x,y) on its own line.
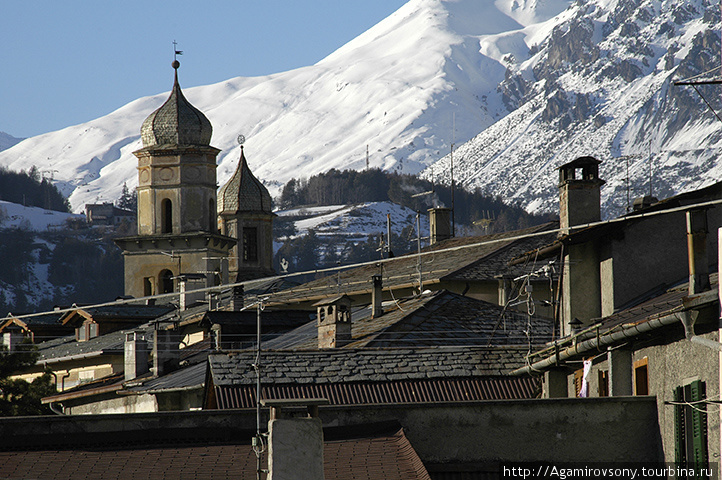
(177,219)
(245,210)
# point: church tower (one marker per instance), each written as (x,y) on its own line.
(178,246)
(245,210)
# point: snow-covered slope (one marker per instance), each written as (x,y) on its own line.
(597,81)
(353,222)
(33,219)
(398,88)
(543,84)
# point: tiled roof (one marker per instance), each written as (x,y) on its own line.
(468,262)
(380,455)
(440,318)
(359,365)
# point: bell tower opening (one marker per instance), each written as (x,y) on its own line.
(166,220)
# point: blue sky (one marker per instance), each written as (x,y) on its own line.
(68,62)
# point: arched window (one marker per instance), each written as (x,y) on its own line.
(165,281)
(166,216)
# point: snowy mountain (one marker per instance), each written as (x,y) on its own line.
(398,88)
(544,81)
(598,80)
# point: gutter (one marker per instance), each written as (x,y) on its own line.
(81,393)
(68,358)
(631,332)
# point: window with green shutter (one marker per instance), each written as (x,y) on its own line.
(690,425)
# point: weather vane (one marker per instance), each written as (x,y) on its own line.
(176,52)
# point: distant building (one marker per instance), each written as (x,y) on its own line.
(99,214)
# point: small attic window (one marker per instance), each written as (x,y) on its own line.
(86,331)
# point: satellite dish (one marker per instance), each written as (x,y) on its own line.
(241,139)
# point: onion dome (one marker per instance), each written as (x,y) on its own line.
(243,192)
(176,122)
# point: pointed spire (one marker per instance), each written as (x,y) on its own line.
(243,192)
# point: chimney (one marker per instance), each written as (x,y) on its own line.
(237,298)
(697,250)
(439,224)
(333,318)
(166,351)
(295,443)
(579,195)
(640,203)
(182,296)
(579,204)
(376,294)
(135,355)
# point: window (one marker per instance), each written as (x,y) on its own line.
(690,425)
(86,331)
(166,217)
(641,377)
(148,286)
(250,244)
(603,385)
(165,281)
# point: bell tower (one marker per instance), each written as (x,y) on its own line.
(245,210)
(178,239)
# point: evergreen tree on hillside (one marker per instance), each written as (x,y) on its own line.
(31,189)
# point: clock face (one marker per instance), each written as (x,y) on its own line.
(241,139)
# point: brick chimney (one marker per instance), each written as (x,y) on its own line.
(439,224)
(333,318)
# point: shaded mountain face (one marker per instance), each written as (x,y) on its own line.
(544,81)
(7,141)
(600,83)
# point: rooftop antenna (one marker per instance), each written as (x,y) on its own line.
(451,161)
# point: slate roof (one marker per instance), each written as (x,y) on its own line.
(438,318)
(244,192)
(364,365)
(188,378)
(123,312)
(108,344)
(176,122)
(471,262)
